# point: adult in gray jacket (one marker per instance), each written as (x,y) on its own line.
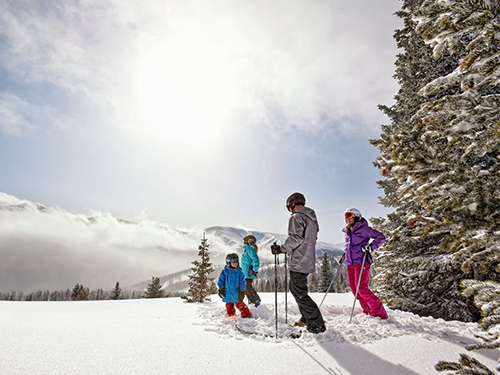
(300,246)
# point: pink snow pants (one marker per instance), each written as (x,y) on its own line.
(369,302)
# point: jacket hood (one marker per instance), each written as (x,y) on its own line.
(309,212)
(360,223)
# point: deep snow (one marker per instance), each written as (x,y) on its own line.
(168,336)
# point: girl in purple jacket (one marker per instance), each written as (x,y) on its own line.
(357,240)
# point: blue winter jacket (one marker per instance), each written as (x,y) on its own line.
(233,280)
(359,237)
(249,261)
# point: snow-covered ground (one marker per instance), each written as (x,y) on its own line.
(168,336)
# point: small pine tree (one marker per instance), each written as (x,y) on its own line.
(214,289)
(325,274)
(80,293)
(200,285)
(154,289)
(116,293)
(312,283)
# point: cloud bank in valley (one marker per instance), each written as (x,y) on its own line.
(48,248)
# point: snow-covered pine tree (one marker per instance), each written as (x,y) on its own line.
(312,283)
(440,159)
(466,126)
(487,298)
(116,292)
(325,274)
(199,282)
(79,293)
(154,289)
(341,284)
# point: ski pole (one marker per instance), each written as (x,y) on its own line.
(333,278)
(276,291)
(286,291)
(359,282)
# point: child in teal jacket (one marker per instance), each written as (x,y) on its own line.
(250,264)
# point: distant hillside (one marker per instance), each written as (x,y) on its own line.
(233,238)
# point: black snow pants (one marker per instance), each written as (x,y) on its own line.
(307,307)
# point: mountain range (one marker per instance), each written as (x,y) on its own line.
(49,248)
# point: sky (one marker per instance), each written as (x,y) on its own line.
(167,336)
(196,113)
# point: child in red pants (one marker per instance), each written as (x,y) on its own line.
(232,287)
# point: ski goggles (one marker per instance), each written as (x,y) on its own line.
(349,215)
(233,261)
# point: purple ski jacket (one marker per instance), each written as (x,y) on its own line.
(358,238)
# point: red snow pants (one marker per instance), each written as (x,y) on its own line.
(369,302)
(244,311)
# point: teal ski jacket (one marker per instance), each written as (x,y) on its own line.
(249,261)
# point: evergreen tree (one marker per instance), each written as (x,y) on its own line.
(80,293)
(200,285)
(268,287)
(312,282)
(341,284)
(325,274)
(154,289)
(487,298)
(116,292)
(439,156)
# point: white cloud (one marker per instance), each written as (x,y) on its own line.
(51,248)
(181,68)
(194,110)
(20,117)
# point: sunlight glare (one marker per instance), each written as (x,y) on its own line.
(185,90)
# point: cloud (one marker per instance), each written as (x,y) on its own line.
(164,67)
(12,109)
(194,110)
(20,117)
(47,248)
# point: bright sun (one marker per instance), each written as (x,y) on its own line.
(185,91)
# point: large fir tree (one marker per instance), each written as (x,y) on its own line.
(439,157)
(200,284)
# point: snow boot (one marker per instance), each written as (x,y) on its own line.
(299,323)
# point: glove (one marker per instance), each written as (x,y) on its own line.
(276,249)
(241,295)
(252,273)
(366,248)
(222,292)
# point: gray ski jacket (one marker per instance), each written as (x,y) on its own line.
(300,246)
